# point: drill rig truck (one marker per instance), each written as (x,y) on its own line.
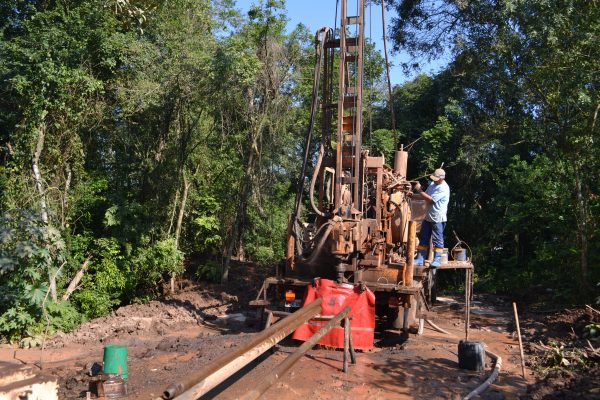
(363,214)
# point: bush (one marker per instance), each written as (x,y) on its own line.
(209,271)
(102,288)
(265,255)
(63,316)
(30,252)
(60,316)
(154,264)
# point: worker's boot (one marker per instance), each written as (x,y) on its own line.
(421,255)
(437,256)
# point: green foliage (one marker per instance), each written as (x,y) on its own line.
(559,356)
(31,340)
(63,316)
(175,130)
(206,224)
(130,107)
(514,118)
(209,271)
(103,287)
(155,263)
(15,320)
(265,255)
(114,277)
(268,223)
(381,143)
(30,252)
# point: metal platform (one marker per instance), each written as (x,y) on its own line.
(455,265)
(374,286)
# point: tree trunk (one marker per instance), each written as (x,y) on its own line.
(236,231)
(39,184)
(75,282)
(241,253)
(52,288)
(175,204)
(184,196)
(582,230)
(65,202)
(239,217)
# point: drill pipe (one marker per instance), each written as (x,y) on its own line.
(282,368)
(218,371)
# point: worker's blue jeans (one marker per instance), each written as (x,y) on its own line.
(434,230)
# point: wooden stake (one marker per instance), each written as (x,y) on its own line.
(468,278)
(520,341)
(409,269)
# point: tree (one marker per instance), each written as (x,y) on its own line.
(256,71)
(527,73)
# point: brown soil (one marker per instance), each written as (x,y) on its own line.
(193,306)
(169,339)
(563,332)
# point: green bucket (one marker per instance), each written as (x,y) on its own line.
(115,360)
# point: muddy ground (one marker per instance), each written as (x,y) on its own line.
(169,339)
(560,337)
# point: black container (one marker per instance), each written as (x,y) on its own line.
(471,355)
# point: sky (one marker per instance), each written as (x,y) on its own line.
(318,13)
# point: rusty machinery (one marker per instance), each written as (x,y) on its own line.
(364,216)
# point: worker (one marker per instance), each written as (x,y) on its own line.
(437,197)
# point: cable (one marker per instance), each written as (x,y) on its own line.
(337,4)
(387,66)
(313,181)
(371,74)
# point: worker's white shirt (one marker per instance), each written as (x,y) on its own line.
(436,212)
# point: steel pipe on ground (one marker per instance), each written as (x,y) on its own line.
(282,368)
(218,371)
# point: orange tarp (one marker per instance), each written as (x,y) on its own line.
(335,298)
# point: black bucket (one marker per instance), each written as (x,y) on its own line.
(471,355)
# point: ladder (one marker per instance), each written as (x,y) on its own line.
(348,165)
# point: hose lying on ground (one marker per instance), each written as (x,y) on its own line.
(481,388)
(493,376)
(437,328)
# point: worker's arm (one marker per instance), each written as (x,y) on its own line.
(426,197)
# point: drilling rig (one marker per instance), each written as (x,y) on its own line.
(363,215)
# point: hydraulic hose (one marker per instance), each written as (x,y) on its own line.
(313,181)
(491,378)
(496,371)
(319,246)
(437,328)
(320,39)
